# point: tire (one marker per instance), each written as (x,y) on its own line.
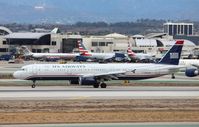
(103,85)
(33,86)
(96,85)
(173,76)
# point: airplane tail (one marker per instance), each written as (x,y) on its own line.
(129,51)
(55,31)
(82,49)
(26,51)
(172,56)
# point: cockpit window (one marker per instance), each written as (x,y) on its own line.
(22,69)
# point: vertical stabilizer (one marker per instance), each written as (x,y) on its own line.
(26,51)
(130,52)
(82,48)
(173,55)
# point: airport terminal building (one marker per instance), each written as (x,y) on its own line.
(156,44)
(178,28)
(37,42)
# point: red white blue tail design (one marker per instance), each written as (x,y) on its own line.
(172,56)
(82,49)
(130,52)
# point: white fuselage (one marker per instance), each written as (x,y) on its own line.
(100,56)
(56,55)
(143,56)
(67,71)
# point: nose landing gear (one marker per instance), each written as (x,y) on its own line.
(34,84)
(173,76)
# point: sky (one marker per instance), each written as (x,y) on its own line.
(71,11)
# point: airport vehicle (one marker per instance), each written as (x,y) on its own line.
(192,66)
(68,56)
(100,57)
(142,57)
(95,74)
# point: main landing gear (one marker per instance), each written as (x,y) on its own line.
(102,85)
(34,84)
(173,76)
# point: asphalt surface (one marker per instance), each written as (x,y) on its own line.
(185,124)
(86,92)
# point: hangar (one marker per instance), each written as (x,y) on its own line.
(28,38)
(41,42)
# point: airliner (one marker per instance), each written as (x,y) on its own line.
(99,56)
(96,74)
(28,53)
(138,56)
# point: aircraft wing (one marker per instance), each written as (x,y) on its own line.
(195,65)
(106,76)
(174,68)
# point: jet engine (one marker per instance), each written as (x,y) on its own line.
(84,81)
(191,72)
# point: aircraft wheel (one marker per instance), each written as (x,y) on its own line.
(96,85)
(33,86)
(103,85)
(173,76)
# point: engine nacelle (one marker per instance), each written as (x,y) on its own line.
(88,82)
(84,81)
(191,72)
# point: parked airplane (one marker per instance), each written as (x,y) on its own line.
(99,56)
(192,67)
(96,74)
(28,53)
(143,57)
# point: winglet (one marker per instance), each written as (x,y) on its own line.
(55,31)
(173,55)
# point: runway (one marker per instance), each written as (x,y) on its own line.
(163,124)
(85,92)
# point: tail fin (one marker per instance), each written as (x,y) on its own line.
(81,47)
(129,51)
(173,55)
(55,31)
(26,51)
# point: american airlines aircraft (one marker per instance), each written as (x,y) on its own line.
(96,74)
(138,56)
(28,53)
(99,56)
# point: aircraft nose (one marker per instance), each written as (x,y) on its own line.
(17,75)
